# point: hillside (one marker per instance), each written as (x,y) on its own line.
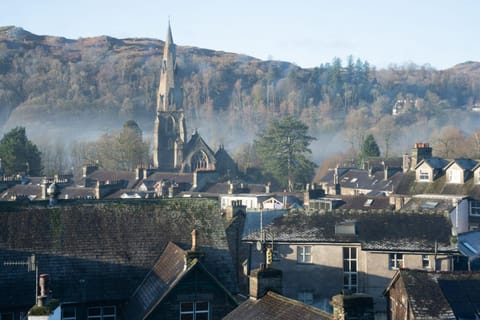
(97,83)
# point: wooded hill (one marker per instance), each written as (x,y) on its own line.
(51,78)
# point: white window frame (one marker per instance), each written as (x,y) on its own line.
(195,311)
(474,208)
(423,175)
(103,315)
(395,261)
(304,254)
(69,307)
(305,297)
(426,263)
(350,268)
(455,176)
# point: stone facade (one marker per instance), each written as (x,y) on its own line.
(171,149)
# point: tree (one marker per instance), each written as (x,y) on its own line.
(18,154)
(449,142)
(369,147)
(121,150)
(386,129)
(282,149)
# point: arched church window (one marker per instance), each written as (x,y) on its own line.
(170,128)
(199,161)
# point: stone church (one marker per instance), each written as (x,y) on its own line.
(171,150)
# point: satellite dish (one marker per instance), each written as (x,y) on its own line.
(259,245)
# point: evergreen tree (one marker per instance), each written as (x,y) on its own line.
(370,147)
(282,150)
(18,154)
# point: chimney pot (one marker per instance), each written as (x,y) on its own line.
(194,239)
(43,284)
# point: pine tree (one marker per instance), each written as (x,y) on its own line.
(282,149)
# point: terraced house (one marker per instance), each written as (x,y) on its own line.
(322,254)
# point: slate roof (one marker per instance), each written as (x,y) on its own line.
(164,276)
(103,250)
(434,163)
(196,142)
(375,181)
(275,306)
(173,176)
(127,177)
(408,186)
(31,191)
(465,164)
(441,295)
(223,187)
(433,204)
(375,231)
(77,193)
(364,202)
(469,244)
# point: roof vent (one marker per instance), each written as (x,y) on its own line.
(346,228)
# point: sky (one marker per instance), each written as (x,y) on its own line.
(308,33)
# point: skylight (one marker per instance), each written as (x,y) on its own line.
(368,203)
(429,204)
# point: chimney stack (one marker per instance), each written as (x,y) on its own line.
(267,187)
(263,280)
(235,209)
(352,306)
(193,253)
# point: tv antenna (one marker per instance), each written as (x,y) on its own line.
(32,265)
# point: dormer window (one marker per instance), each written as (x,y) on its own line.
(454,176)
(424,176)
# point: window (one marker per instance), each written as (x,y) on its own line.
(395,261)
(454,176)
(68,313)
(424,176)
(194,310)
(304,254)
(305,297)
(350,279)
(425,261)
(199,161)
(101,313)
(6,316)
(475,208)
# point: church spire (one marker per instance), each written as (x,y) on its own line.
(166,99)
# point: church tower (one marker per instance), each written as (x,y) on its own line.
(169,134)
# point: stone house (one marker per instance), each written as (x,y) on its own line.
(421,294)
(322,254)
(97,255)
(428,170)
(179,286)
(459,170)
